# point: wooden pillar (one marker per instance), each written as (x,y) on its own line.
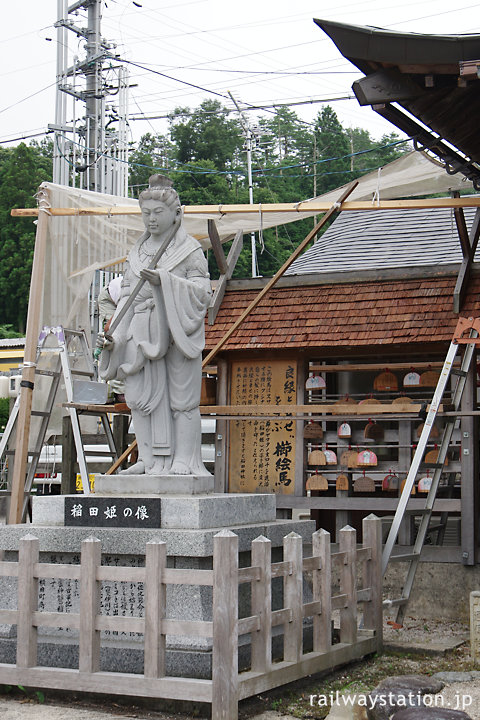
(262,605)
(221,431)
(30,355)
(373,610)
(348,585)
(299,427)
(89,642)
(225,627)
(120,432)
(27,602)
(69,456)
(322,590)
(293,598)
(405,535)
(155,608)
(469,472)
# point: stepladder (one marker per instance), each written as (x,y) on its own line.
(64,371)
(449,372)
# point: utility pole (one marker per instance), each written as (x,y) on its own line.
(249,140)
(93,94)
(91,148)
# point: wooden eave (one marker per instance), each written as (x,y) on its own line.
(433,77)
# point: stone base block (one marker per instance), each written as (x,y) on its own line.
(141,485)
(178,512)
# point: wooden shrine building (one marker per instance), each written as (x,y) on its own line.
(361,323)
(323,339)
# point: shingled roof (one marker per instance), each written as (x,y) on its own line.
(345,315)
(385,239)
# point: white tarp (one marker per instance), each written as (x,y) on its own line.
(413,174)
(78,245)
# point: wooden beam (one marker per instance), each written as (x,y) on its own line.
(302,207)
(217,248)
(462,231)
(469,244)
(29,362)
(368,367)
(231,261)
(335,207)
(290,411)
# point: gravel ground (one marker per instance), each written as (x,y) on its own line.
(418,630)
(290,702)
(462,696)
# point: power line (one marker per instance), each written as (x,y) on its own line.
(28,97)
(253,107)
(26,137)
(169,77)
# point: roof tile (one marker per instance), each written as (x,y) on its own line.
(324,316)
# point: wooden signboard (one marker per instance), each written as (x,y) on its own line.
(262,452)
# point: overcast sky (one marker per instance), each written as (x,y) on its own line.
(263,51)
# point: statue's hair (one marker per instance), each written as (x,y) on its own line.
(160,188)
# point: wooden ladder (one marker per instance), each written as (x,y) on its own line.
(412,558)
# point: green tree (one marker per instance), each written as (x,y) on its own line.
(152,155)
(22,170)
(369,154)
(332,148)
(7,332)
(207,133)
(4,413)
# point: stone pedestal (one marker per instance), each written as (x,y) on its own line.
(132,485)
(187,524)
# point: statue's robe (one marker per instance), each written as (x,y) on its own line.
(158,344)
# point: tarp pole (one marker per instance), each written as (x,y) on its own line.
(29,363)
(336,207)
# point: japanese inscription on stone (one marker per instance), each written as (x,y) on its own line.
(112,512)
(262,452)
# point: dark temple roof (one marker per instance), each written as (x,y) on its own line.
(433,77)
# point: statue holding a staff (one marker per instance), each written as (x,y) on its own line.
(157,336)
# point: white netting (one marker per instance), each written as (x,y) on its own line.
(78,245)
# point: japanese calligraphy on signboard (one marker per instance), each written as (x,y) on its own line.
(262,452)
(116,512)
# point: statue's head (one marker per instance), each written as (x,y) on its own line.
(160,204)
(161,188)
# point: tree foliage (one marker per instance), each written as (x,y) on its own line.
(22,170)
(207,134)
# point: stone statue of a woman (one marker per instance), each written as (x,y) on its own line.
(157,345)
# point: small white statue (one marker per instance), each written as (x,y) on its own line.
(157,347)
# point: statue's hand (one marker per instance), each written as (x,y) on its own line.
(103,342)
(152,276)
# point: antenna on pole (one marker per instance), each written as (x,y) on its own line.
(90,145)
(249,139)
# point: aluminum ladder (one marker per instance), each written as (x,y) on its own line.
(74,361)
(412,558)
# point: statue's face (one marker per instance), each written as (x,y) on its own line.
(157,216)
